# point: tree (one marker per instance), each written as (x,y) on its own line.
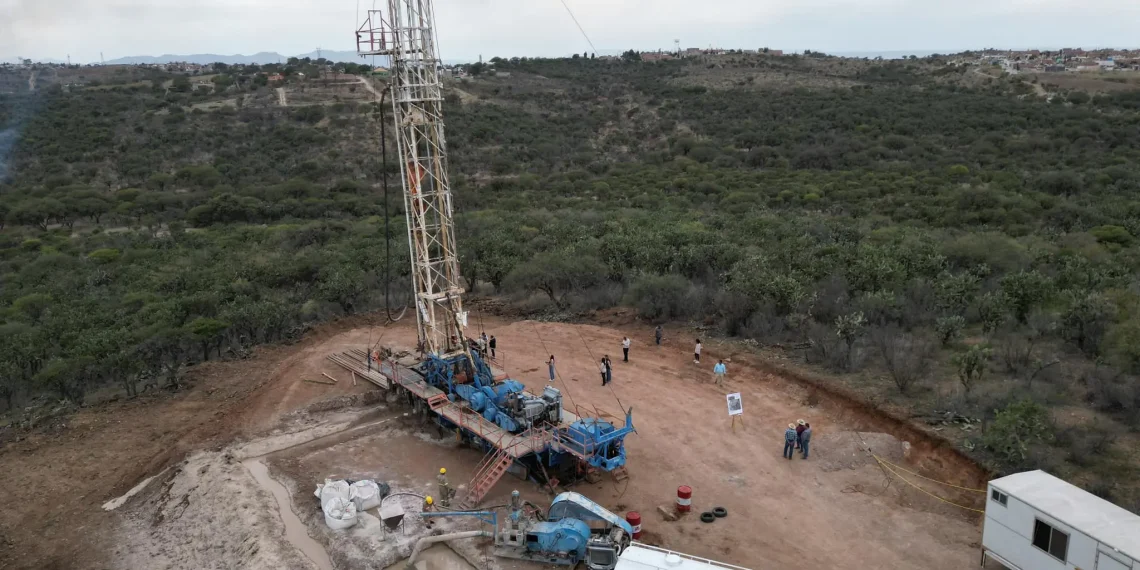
(557,274)
(209,332)
(11,377)
(1086,319)
(61,376)
(343,286)
(1015,428)
(849,328)
(631,56)
(949,328)
(992,310)
(38,212)
(33,306)
(971,366)
(908,358)
(1025,290)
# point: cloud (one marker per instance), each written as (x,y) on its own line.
(467,28)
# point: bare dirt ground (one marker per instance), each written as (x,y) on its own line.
(207,511)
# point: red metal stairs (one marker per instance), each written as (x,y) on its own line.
(438,401)
(490,470)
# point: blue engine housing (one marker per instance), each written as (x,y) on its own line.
(566,538)
(600,441)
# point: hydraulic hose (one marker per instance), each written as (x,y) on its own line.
(387,230)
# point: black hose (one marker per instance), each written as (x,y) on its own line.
(387,230)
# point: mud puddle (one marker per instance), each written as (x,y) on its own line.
(295,531)
(436,557)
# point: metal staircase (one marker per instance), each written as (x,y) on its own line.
(490,470)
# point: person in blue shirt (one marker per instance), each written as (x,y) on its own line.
(790,441)
(719,371)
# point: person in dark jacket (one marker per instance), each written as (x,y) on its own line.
(657,335)
(799,429)
(805,439)
(491,343)
(789,441)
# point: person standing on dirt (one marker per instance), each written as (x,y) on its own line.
(805,439)
(657,335)
(445,492)
(491,343)
(625,349)
(800,427)
(609,369)
(550,368)
(603,369)
(719,371)
(697,352)
(790,441)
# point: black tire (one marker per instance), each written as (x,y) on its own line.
(720,512)
(707,517)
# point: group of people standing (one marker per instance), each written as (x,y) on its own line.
(486,345)
(797,436)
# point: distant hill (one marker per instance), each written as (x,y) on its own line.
(201,58)
(258,58)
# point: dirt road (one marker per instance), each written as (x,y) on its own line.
(281,97)
(368,85)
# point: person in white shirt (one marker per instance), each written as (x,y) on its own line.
(697,352)
(603,368)
(625,349)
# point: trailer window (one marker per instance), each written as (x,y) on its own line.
(1051,540)
(999,497)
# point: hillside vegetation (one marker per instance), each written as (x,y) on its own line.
(944,243)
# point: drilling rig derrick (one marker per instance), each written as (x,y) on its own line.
(404,34)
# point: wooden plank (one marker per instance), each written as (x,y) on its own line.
(329,377)
(319,382)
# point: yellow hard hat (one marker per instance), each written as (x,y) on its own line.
(428,500)
(443,471)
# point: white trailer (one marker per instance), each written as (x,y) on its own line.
(1035,521)
(639,556)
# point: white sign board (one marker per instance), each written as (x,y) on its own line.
(735,407)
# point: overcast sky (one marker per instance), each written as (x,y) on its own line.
(468,28)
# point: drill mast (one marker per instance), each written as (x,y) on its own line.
(405,33)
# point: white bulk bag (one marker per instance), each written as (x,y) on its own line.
(339,513)
(331,489)
(366,494)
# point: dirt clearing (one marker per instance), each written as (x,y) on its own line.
(209,511)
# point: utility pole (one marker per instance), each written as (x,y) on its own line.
(101,61)
(318,52)
(677,47)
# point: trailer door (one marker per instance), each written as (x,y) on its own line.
(1106,561)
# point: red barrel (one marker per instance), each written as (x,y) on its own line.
(634,520)
(684,498)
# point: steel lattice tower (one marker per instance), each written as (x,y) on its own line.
(405,33)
